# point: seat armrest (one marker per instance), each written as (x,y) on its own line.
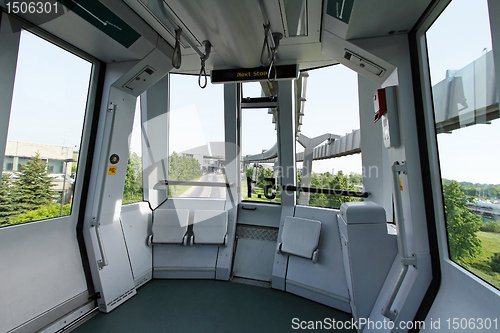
(315,256)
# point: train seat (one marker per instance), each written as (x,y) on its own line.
(300,237)
(210,227)
(169,226)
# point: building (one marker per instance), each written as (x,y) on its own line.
(210,156)
(18,153)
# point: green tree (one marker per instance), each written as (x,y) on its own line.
(33,186)
(337,182)
(132,189)
(462,225)
(341,182)
(262,175)
(356,178)
(130,184)
(136,162)
(7,206)
(183,168)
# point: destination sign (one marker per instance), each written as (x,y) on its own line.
(283,72)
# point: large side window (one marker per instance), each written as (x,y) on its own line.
(45,130)
(468,134)
(196,140)
(328,144)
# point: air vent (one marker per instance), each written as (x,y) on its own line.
(363,63)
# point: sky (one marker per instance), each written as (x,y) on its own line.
(456,39)
(50,94)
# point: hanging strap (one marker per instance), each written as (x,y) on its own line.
(177,56)
(208,48)
(266,48)
(202,73)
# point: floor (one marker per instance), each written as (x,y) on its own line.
(212,306)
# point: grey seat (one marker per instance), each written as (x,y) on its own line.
(300,237)
(210,227)
(169,226)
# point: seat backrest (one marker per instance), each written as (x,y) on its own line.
(300,237)
(210,226)
(170,226)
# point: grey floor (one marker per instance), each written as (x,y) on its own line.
(210,306)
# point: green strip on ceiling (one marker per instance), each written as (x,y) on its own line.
(103,19)
(340,9)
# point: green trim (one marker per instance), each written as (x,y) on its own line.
(340,9)
(103,19)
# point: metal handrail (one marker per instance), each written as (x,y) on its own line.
(104,260)
(193,183)
(405,259)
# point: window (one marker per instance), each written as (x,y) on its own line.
(45,129)
(259,152)
(132,189)
(468,135)
(196,140)
(330,112)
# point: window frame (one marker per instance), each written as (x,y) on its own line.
(446,265)
(91,105)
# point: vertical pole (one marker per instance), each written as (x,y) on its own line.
(287,173)
(286,140)
(232,92)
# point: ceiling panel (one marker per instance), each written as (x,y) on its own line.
(375,18)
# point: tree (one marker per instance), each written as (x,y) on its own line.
(356,178)
(262,175)
(337,182)
(461,223)
(136,162)
(183,168)
(33,186)
(7,207)
(130,184)
(132,189)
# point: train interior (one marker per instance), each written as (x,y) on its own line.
(259,165)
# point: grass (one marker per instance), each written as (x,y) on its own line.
(480,266)
(128,198)
(258,190)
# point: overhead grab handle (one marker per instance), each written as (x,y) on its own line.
(177,56)
(204,57)
(266,48)
(270,46)
(178,33)
(276,37)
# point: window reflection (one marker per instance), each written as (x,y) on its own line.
(466,114)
